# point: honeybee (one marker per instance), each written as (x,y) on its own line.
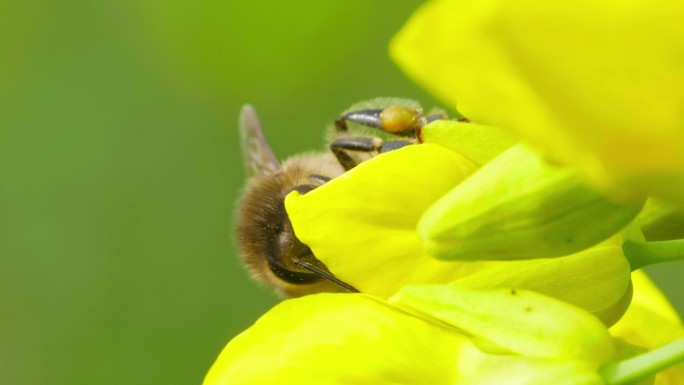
(269,248)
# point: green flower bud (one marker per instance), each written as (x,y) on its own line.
(518,206)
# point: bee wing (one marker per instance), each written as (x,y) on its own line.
(257,155)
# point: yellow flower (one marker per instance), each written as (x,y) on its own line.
(426,335)
(596,84)
(338,339)
(363,227)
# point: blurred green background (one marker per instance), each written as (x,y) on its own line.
(120,167)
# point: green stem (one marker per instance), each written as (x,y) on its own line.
(644,365)
(650,253)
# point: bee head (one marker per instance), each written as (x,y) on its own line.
(268,244)
(269,247)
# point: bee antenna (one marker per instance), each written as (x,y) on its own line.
(326,274)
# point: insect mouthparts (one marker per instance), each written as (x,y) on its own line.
(326,274)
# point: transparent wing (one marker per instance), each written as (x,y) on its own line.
(257,156)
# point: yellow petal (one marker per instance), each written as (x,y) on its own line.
(519,206)
(597,84)
(501,369)
(648,302)
(595,279)
(338,339)
(651,322)
(477,142)
(520,321)
(361,225)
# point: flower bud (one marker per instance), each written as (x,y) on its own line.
(519,207)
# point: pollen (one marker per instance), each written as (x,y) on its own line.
(398,119)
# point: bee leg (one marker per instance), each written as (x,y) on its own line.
(324,273)
(393,145)
(398,120)
(342,147)
(370,118)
